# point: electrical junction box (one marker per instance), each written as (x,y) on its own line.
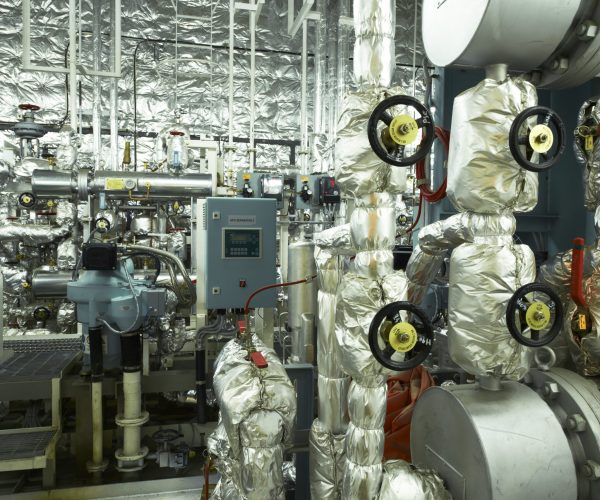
(238,242)
(260,185)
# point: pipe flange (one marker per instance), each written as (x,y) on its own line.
(121,421)
(131,463)
(82,184)
(92,467)
(574,400)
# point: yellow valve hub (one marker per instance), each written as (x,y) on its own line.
(537,316)
(541,138)
(26,199)
(403,337)
(403,130)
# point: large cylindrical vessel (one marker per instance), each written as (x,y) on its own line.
(493,445)
(302,299)
(556,42)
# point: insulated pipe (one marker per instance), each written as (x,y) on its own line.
(201,385)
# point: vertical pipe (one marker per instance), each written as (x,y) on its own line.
(303,102)
(97,83)
(132,398)
(252,84)
(201,385)
(97,374)
(97,428)
(114,86)
(73,48)
(26,55)
(231,39)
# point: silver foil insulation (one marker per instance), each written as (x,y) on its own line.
(485,185)
(257,415)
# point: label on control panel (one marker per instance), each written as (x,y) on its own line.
(241,220)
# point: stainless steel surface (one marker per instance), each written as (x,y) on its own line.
(121,185)
(575,401)
(483,32)
(302,299)
(50,284)
(493,445)
(164,186)
(52,183)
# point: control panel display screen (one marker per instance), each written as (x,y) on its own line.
(241,243)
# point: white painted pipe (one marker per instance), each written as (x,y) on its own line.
(304,102)
(252,84)
(132,396)
(231,41)
(114,87)
(97,428)
(73,105)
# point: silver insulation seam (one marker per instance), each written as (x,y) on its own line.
(326,438)
(257,412)
(589,115)
(369,284)
(485,262)
(202,78)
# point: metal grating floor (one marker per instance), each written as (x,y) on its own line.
(24,444)
(36,365)
(25,345)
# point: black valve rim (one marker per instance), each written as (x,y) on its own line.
(391,312)
(380,113)
(515,304)
(546,116)
(27,205)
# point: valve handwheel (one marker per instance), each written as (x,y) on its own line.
(537,147)
(29,107)
(393,130)
(534,315)
(400,336)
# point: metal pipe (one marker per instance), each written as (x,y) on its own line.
(304,102)
(47,284)
(114,89)
(73,48)
(121,185)
(97,428)
(97,84)
(252,85)
(231,40)
(132,408)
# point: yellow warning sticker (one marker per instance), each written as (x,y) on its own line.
(114,184)
(589,143)
(582,322)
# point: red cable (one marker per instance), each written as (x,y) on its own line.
(275,285)
(577,272)
(206,476)
(416,221)
(434,196)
